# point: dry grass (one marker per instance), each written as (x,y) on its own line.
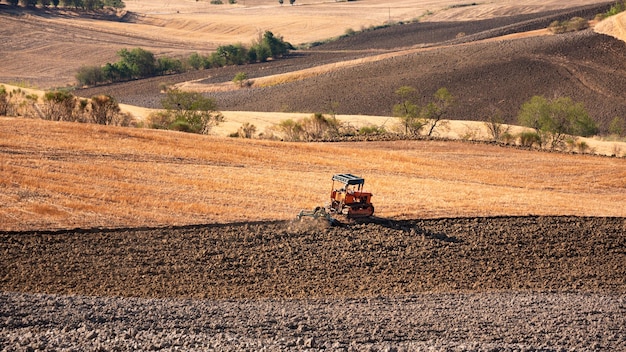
(63,175)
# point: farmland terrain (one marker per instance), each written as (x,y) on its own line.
(129,239)
(446,48)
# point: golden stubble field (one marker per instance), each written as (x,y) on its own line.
(66,175)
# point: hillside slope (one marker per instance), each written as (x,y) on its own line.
(487,77)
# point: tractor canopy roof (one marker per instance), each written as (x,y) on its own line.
(349,179)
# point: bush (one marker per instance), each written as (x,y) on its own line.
(4,101)
(90,75)
(59,106)
(188,112)
(104,110)
(618,127)
(528,139)
(554,119)
(372,130)
(572,25)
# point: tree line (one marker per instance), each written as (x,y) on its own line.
(76,4)
(140,63)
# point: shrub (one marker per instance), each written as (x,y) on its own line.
(246,130)
(4,101)
(188,112)
(528,139)
(572,25)
(495,126)
(104,110)
(90,75)
(291,130)
(554,119)
(59,106)
(617,127)
(240,78)
(372,130)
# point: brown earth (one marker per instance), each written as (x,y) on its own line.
(464,284)
(309,260)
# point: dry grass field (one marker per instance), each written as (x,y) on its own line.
(66,175)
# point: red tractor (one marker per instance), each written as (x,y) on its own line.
(350,200)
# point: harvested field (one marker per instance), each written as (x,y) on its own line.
(509,283)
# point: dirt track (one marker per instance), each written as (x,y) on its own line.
(509,283)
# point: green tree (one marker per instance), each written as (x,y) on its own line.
(90,75)
(554,119)
(233,54)
(277,46)
(118,4)
(195,61)
(166,65)
(415,118)
(240,79)
(617,127)
(140,62)
(190,112)
(407,110)
(434,111)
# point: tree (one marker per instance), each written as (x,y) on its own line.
(233,54)
(4,101)
(166,65)
(436,110)
(415,118)
(280,2)
(319,127)
(554,119)
(277,46)
(190,112)
(240,79)
(495,126)
(195,61)
(407,111)
(291,2)
(618,127)
(140,62)
(90,75)
(292,130)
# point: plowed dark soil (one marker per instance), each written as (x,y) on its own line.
(298,260)
(472,284)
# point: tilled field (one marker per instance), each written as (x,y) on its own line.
(505,283)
